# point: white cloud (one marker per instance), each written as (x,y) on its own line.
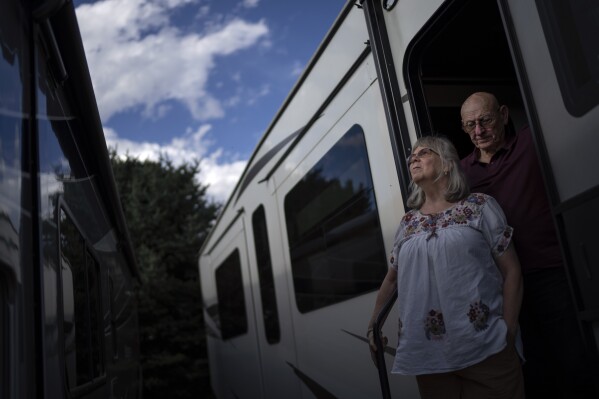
(232,101)
(140,61)
(137,58)
(256,94)
(297,69)
(220,176)
(250,3)
(203,11)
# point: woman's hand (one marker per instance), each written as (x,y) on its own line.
(372,345)
(387,289)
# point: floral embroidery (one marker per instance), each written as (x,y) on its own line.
(504,241)
(479,315)
(476,198)
(465,211)
(434,326)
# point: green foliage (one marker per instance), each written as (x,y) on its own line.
(168,217)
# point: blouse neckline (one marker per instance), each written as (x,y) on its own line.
(444,211)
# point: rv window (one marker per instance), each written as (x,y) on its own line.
(113,327)
(95,314)
(82,316)
(231,302)
(265,275)
(333,228)
(571,28)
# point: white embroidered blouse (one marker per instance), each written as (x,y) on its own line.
(449,287)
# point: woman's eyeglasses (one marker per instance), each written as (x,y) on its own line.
(423,153)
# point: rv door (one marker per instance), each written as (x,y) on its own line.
(236,373)
(555,48)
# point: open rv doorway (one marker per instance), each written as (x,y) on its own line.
(509,48)
(461,50)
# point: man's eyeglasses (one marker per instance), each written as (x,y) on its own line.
(485,122)
(423,153)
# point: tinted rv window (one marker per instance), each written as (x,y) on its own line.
(231,302)
(95,314)
(572,28)
(265,275)
(113,328)
(333,228)
(82,317)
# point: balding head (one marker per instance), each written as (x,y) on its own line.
(484,120)
(480,99)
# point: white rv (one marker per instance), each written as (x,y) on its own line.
(290,271)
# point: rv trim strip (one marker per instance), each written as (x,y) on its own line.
(390,93)
(261,163)
(318,390)
(79,87)
(239,213)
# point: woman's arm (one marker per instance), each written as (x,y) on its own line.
(509,265)
(386,290)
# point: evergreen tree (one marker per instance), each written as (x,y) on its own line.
(168,217)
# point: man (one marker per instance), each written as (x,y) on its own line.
(504,165)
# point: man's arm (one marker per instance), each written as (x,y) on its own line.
(509,265)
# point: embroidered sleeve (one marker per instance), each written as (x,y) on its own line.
(399,237)
(494,227)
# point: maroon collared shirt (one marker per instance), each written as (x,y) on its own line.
(513,177)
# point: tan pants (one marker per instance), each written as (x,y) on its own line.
(497,377)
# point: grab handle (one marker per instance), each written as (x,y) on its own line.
(378,341)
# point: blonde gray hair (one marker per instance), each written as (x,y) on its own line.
(457,185)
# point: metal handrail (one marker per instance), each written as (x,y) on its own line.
(380,349)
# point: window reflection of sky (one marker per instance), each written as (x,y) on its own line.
(342,173)
(52,164)
(52,159)
(11,99)
(333,229)
(12,38)
(10,168)
(11,86)
(346,163)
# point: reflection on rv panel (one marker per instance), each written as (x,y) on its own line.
(68,315)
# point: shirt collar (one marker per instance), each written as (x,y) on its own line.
(510,138)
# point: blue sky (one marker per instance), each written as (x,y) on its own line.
(197,79)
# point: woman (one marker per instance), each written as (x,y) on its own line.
(459,285)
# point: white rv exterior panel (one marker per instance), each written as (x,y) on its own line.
(341,52)
(241,372)
(326,338)
(558,125)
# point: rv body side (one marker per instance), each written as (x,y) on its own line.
(290,271)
